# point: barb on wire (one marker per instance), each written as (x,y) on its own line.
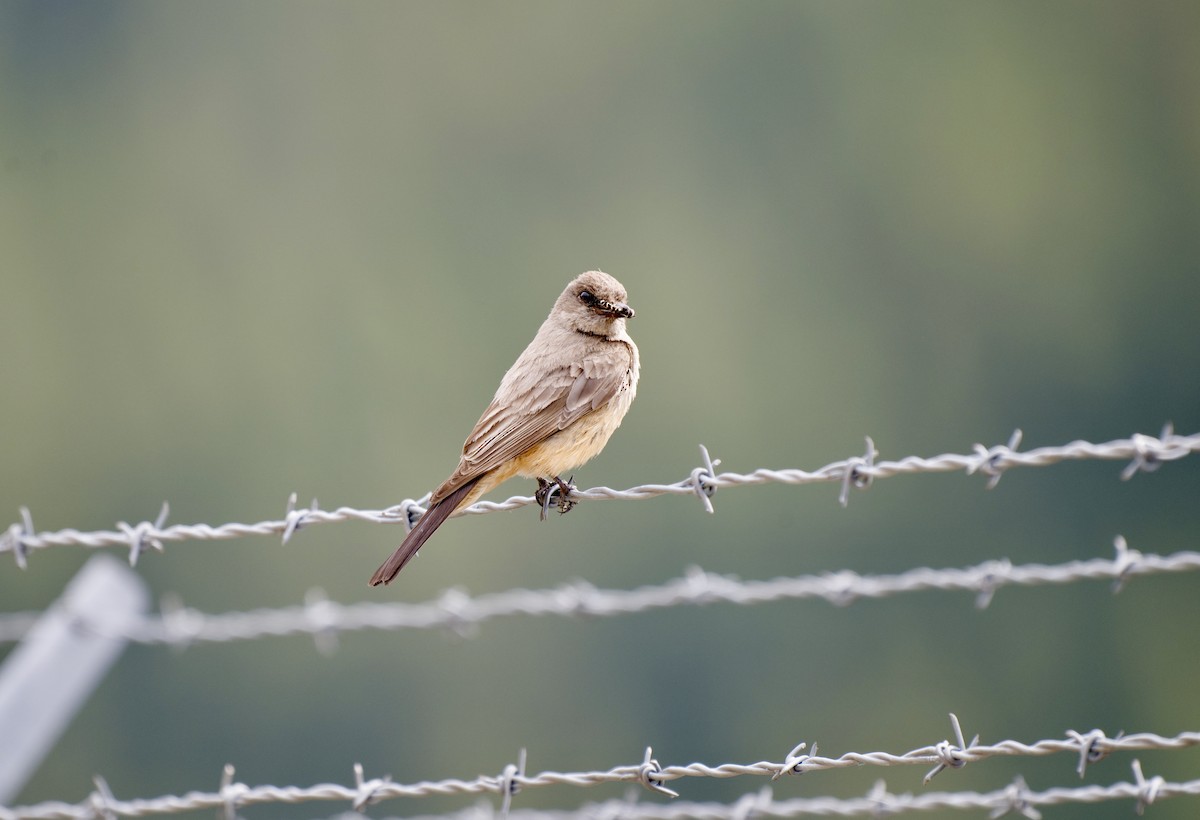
(102,799)
(231,792)
(325,620)
(949,755)
(650,775)
(1090,748)
(1145,454)
(142,535)
(1147,790)
(858,473)
(1148,456)
(16,538)
(366,791)
(702,479)
(794,760)
(233,795)
(510,782)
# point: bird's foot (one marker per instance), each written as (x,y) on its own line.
(542,497)
(554,491)
(565,488)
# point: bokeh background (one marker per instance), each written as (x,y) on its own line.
(250,249)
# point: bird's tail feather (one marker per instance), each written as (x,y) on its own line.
(419,534)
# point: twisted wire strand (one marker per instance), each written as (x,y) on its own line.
(455,609)
(1016,798)
(233,795)
(1143,452)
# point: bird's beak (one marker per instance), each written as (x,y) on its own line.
(618,310)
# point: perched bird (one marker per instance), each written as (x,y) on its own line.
(556,407)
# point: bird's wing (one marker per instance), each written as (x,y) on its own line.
(533,407)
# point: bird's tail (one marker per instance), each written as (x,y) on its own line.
(419,534)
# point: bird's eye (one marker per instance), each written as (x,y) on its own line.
(586,297)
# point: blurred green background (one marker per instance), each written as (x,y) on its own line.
(250,249)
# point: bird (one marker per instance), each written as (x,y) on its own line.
(555,408)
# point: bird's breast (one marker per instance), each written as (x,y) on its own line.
(571,447)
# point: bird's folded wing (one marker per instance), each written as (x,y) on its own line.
(528,412)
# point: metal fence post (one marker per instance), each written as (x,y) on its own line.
(47,678)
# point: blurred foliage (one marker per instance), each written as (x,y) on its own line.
(247,249)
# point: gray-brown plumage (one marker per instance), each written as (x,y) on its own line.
(556,407)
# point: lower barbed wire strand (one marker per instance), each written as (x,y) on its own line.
(179,625)
(240,795)
(878,803)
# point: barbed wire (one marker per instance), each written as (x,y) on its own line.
(1145,453)
(1090,747)
(1016,798)
(180,626)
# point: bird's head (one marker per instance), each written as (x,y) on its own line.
(594,303)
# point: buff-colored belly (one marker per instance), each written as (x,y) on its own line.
(561,453)
(568,449)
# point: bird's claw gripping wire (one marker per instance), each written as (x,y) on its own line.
(555,489)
